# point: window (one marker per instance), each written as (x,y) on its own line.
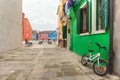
(84,30)
(83,19)
(99,16)
(99,26)
(64,31)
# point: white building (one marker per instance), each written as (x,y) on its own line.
(10,24)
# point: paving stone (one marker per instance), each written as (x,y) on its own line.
(45,62)
(14,75)
(3,77)
(96,77)
(83,77)
(72,73)
(113,77)
(66,78)
(60,74)
(51,66)
(1,57)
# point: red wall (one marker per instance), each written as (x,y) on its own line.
(43,36)
(23,15)
(27,29)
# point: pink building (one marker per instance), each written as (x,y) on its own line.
(43,35)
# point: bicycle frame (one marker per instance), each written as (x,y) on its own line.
(95,56)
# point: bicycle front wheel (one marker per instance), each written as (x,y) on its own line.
(100,68)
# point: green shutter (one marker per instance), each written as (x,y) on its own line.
(87,16)
(64,29)
(104,14)
(97,21)
(79,21)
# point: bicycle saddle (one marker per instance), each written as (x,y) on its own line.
(91,50)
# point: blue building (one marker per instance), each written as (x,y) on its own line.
(34,35)
(52,35)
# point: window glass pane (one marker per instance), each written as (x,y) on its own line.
(102,14)
(79,21)
(83,20)
(99,15)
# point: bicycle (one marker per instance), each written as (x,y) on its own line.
(99,65)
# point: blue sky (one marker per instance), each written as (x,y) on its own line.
(41,13)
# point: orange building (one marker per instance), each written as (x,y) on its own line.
(27,29)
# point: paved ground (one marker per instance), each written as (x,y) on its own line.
(45,62)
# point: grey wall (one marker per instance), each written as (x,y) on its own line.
(10,24)
(117,36)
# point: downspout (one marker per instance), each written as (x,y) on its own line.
(110,21)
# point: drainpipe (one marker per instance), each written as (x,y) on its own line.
(110,21)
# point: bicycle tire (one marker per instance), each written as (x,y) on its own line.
(82,60)
(101,68)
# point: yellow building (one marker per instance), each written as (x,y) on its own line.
(61,23)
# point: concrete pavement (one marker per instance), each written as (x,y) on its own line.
(45,62)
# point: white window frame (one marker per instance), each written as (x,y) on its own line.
(87,33)
(94,30)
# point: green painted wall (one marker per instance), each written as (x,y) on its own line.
(80,44)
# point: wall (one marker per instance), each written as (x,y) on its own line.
(23,17)
(34,37)
(10,24)
(116,38)
(43,36)
(27,30)
(60,23)
(52,35)
(80,43)
(68,34)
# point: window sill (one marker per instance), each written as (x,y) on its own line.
(84,34)
(99,32)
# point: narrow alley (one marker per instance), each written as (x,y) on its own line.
(45,62)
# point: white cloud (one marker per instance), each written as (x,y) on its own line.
(41,13)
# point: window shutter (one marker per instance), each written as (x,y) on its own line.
(64,29)
(104,14)
(97,16)
(79,21)
(87,16)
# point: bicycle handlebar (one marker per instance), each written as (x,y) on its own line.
(100,46)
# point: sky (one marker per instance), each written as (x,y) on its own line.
(42,14)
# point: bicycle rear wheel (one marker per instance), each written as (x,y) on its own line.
(84,60)
(100,69)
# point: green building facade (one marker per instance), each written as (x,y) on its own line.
(88,25)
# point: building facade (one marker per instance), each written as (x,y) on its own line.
(10,24)
(61,23)
(43,35)
(27,29)
(87,24)
(34,35)
(116,38)
(52,35)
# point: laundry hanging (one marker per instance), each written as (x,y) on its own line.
(70,3)
(66,7)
